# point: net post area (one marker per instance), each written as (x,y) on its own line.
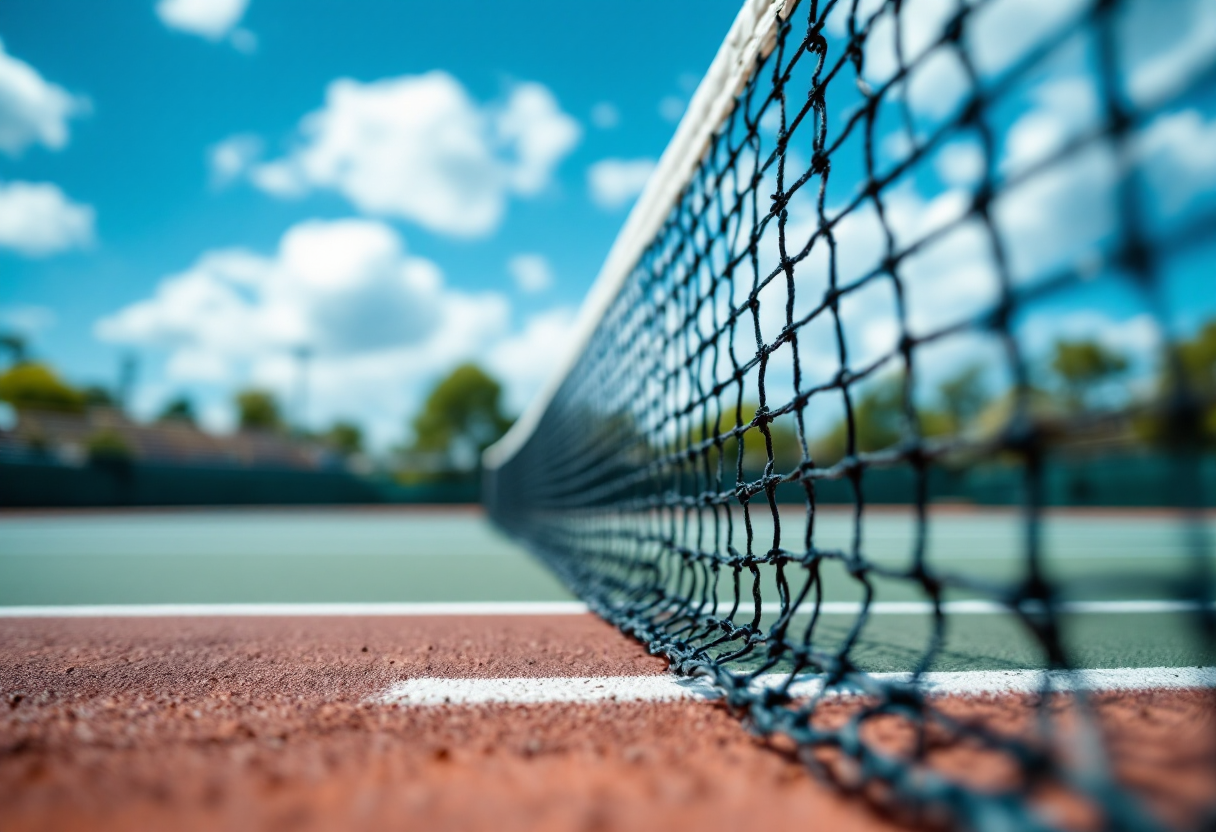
(901,256)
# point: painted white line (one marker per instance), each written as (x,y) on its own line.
(545,608)
(371,609)
(972,682)
(978,607)
(551,689)
(429,692)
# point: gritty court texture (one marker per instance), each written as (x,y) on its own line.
(414,669)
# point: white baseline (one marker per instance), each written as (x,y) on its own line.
(665,688)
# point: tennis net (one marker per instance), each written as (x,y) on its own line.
(896,252)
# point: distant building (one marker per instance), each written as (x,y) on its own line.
(71,438)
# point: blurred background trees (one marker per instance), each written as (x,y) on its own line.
(258,410)
(461,417)
(1083,366)
(35,386)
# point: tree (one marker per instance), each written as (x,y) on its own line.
(97,396)
(179,409)
(461,417)
(344,437)
(878,417)
(15,344)
(107,447)
(963,397)
(783,431)
(36,386)
(1198,357)
(258,410)
(1083,365)
(1197,362)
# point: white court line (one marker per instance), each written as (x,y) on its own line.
(543,608)
(424,692)
(369,609)
(979,607)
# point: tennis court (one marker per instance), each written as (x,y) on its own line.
(1122,564)
(797,532)
(372,666)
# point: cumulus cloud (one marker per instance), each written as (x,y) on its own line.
(532,272)
(213,20)
(340,287)
(525,360)
(37,219)
(381,322)
(1178,151)
(1165,51)
(616,182)
(421,149)
(996,36)
(32,109)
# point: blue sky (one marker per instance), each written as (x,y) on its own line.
(151,100)
(212,185)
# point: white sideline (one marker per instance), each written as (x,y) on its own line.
(976,607)
(425,692)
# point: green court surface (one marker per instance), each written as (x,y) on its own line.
(336,555)
(301,556)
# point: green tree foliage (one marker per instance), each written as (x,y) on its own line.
(1197,356)
(107,447)
(344,437)
(462,415)
(37,387)
(963,396)
(97,396)
(15,345)
(1083,365)
(258,410)
(878,417)
(783,433)
(179,409)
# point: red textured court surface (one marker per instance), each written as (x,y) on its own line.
(266,723)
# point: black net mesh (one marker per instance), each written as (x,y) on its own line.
(937,251)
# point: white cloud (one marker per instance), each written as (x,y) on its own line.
(1137,336)
(210,19)
(615,182)
(37,219)
(1166,50)
(232,158)
(1178,151)
(605,115)
(32,109)
(532,272)
(525,360)
(1061,109)
(381,321)
(996,35)
(959,163)
(420,148)
(341,287)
